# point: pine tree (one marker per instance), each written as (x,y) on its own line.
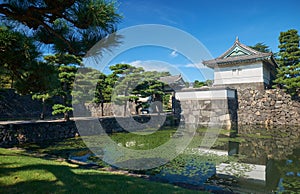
(17,54)
(69,26)
(261,47)
(288,72)
(66,67)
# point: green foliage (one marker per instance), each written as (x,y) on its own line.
(167,103)
(289,172)
(198,84)
(71,26)
(60,59)
(104,89)
(288,72)
(65,66)
(61,109)
(40,78)
(131,83)
(84,89)
(126,78)
(261,47)
(150,85)
(17,54)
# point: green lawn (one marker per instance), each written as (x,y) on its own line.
(22,173)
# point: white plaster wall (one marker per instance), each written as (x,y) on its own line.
(205,95)
(243,74)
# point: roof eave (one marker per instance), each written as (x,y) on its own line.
(215,63)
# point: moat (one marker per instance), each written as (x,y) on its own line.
(253,159)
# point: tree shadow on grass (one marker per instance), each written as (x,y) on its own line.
(72,180)
(65,181)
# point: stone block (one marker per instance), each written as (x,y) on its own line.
(225,117)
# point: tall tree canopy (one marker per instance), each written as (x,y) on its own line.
(18,55)
(288,72)
(131,83)
(66,67)
(261,47)
(72,26)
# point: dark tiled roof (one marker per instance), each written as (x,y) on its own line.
(171,79)
(250,55)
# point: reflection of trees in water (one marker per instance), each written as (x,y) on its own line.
(278,148)
(261,144)
(289,172)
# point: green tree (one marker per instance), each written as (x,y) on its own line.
(84,87)
(150,85)
(288,71)
(70,26)
(125,78)
(66,65)
(130,83)
(198,84)
(104,90)
(85,90)
(261,47)
(41,81)
(17,54)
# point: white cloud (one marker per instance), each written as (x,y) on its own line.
(153,65)
(195,65)
(174,53)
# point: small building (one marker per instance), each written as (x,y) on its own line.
(241,66)
(173,82)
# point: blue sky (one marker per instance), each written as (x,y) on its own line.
(214,23)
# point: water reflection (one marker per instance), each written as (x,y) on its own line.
(252,159)
(269,156)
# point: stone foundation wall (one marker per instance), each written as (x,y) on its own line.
(109,109)
(267,107)
(15,133)
(209,112)
(96,109)
(15,106)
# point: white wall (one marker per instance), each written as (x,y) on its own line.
(239,74)
(205,95)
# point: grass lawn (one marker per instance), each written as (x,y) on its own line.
(20,172)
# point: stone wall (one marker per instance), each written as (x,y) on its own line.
(14,133)
(35,132)
(267,107)
(209,112)
(109,109)
(96,109)
(15,106)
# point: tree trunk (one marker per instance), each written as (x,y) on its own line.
(12,81)
(102,108)
(125,94)
(42,116)
(66,116)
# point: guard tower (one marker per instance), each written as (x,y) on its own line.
(241,66)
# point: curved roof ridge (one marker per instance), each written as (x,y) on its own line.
(238,43)
(171,78)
